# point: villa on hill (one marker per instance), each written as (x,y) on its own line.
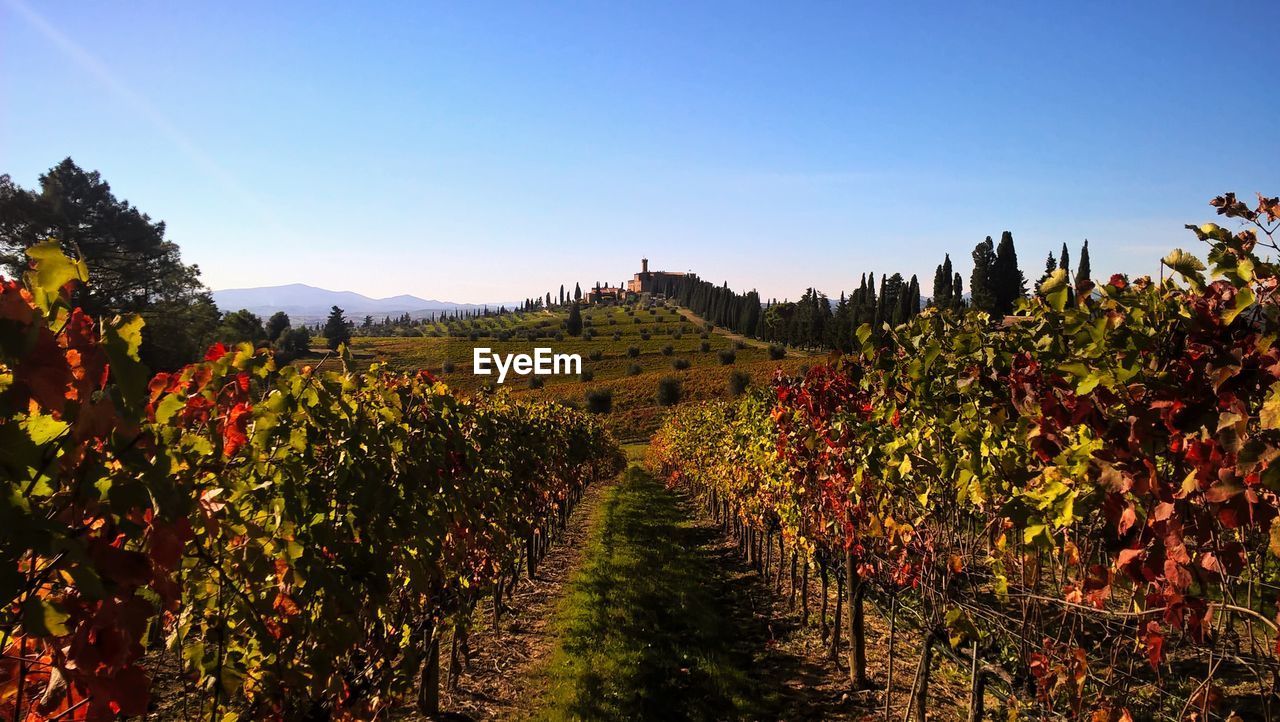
(646,281)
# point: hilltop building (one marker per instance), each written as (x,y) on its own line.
(647,281)
(606,294)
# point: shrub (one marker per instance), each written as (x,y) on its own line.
(587,375)
(637,320)
(668,350)
(536,382)
(669,391)
(705,346)
(617,336)
(644,335)
(588,334)
(633,351)
(739,345)
(777,352)
(596,354)
(680,364)
(559,335)
(727,356)
(738,382)
(634,370)
(676,335)
(447,367)
(704,335)
(600,401)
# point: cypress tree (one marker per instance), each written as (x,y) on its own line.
(957,292)
(577,293)
(1050,265)
(880,318)
(1084,272)
(869,303)
(574,325)
(981,293)
(913,305)
(942,286)
(901,309)
(1008,282)
(1064,262)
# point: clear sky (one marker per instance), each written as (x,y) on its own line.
(476,151)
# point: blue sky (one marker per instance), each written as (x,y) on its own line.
(491,151)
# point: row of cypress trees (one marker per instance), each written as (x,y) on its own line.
(995,285)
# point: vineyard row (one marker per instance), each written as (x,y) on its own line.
(299,539)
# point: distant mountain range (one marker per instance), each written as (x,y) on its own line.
(306,303)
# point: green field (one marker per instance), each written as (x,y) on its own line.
(626,350)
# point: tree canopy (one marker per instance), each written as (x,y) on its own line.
(133,267)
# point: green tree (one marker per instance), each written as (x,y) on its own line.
(277,325)
(1064,262)
(132,267)
(337,329)
(1084,272)
(574,325)
(577,292)
(1050,265)
(241,327)
(957,291)
(981,292)
(1008,283)
(293,343)
(942,286)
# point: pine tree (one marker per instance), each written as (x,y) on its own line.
(981,291)
(337,329)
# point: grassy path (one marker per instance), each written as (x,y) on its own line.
(653,626)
